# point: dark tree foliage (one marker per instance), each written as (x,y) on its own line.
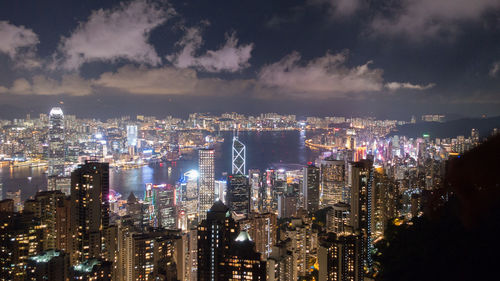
(458,238)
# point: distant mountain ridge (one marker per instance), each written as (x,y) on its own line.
(449,129)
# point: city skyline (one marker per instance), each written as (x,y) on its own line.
(287,140)
(306,57)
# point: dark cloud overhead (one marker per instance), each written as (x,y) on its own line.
(365,56)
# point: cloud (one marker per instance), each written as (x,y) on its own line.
(109,35)
(428,18)
(229,58)
(169,81)
(393,86)
(131,79)
(323,76)
(70,84)
(495,68)
(19,43)
(340,7)
(139,80)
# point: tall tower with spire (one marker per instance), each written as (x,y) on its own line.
(238,157)
(56,142)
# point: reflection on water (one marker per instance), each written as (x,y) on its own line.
(264,149)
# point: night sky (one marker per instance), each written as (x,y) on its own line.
(382,58)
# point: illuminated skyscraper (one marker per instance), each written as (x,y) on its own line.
(332,181)
(16,197)
(131,135)
(238,194)
(220,190)
(303,243)
(132,138)
(242,262)
(189,195)
(206,194)
(44,207)
(89,210)
(338,218)
(263,229)
(21,236)
(281,265)
(255,184)
(339,258)
(50,265)
(215,235)
(150,255)
(311,188)
(238,157)
(165,206)
(56,142)
(361,205)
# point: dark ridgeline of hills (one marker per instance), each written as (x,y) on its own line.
(459,229)
(450,129)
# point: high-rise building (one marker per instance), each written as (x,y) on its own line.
(132,135)
(44,207)
(56,142)
(303,244)
(238,194)
(89,210)
(384,202)
(7,206)
(361,206)
(338,218)
(166,206)
(206,181)
(287,205)
(16,197)
(238,154)
(311,188)
(63,225)
(281,265)
(339,258)
(21,236)
(255,184)
(137,211)
(92,270)
(191,255)
(215,235)
(242,262)
(220,190)
(50,265)
(266,198)
(263,229)
(150,255)
(332,181)
(62,183)
(189,195)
